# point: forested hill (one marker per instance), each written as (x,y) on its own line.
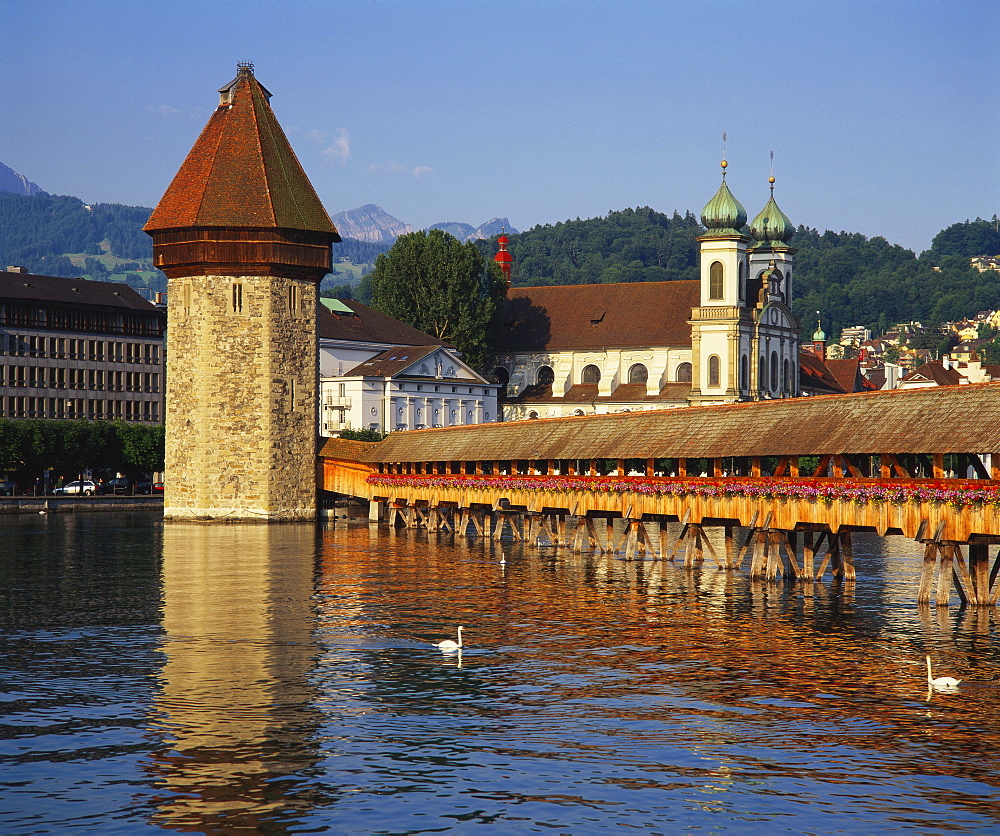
(57,235)
(849,278)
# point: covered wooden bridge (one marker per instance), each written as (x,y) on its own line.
(801,474)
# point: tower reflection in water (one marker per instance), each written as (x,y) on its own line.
(233,708)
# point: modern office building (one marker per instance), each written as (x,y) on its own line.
(71,348)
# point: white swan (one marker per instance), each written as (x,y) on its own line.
(448,646)
(941,683)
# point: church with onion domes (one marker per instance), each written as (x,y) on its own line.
(728,337)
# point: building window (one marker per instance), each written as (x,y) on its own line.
(774,371)
(787,367)
(743,283)
(715,280)
(762,373)
(683,373)
(713,370)
(591,375)
(638,374)
(545,376)
(294,299)
(237,298)
(744,373)
(532,415)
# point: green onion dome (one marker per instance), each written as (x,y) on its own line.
(724,215)
(772,226)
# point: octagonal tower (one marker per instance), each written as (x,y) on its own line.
(244,242)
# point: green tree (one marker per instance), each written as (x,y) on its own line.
(445,288)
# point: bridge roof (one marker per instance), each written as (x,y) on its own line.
(943,419)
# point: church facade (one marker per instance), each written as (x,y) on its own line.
(730,336)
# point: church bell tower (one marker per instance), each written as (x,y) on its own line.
(244,242)
(720,325)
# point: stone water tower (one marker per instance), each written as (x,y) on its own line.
(244,242)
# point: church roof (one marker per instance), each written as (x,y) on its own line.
(599,316)
(242,172)
(772,226)
(724,216)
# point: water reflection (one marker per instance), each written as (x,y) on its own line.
(284,678)
(235,705)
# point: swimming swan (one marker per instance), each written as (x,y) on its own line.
(941,683)
(448,646)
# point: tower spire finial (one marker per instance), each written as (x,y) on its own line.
(770,178)
(724,162)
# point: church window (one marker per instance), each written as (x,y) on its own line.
(743,283)
(683,374)
(502,376)
(638,374)
(591,375)
(774,371)
(545,376)
(788,376)
(744,373)
(762,373)
(532,415)
(713,370)
(715,280)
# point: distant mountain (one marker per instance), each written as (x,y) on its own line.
(11,181)
(492,228)
(460,230)
(370,223)
(468,232)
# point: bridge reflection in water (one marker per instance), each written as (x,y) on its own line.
(803,475)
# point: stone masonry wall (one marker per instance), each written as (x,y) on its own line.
(241,399)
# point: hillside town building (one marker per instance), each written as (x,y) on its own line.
(244,241)
(71,348)
(730,336)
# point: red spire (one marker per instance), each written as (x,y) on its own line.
(504,258)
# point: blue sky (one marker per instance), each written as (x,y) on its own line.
(882,116)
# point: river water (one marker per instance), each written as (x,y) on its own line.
(282,679)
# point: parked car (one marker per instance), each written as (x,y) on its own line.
(7,488)
(157,487)
(118,485)
(84,488)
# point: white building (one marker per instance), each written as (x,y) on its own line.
(378,373)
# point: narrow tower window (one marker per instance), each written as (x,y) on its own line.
(715,280)
(237,297)
(294,299)
(713,370)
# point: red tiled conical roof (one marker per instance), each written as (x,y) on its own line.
(242,172)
